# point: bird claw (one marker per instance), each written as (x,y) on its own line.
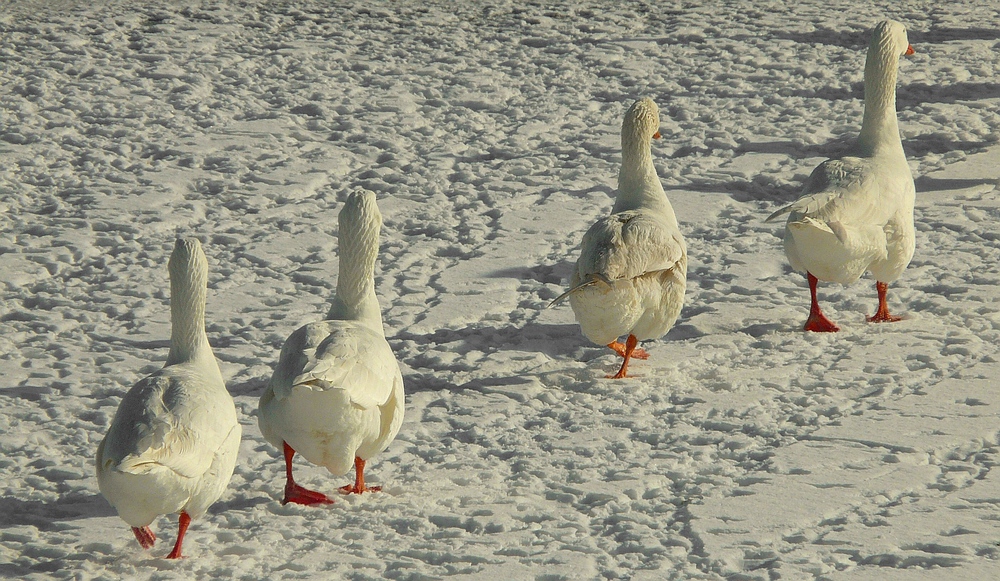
(885,317)
(354,489)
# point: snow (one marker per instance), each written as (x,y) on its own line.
(742,449)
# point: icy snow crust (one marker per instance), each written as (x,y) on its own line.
(742,449)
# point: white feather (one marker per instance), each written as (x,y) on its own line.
(336,391)
(173,442)
(856,212)
(637,252)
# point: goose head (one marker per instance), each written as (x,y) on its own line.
(889,41)
(359,214)
(188,269)
(641,123)
(187,260)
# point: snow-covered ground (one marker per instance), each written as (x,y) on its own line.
(742,449)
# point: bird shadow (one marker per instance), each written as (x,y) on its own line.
(798,150)
(852,39)
(43,515)
(254,386)
(558,273)
(920,145)
(944,34)
(242,503)
(744,191)
(132,343)
(26,392)
(217,341)
(858,39)
(855,90)
(912,94)
(908,95)
(554,340)
(928,184)
(579,194)
(421,380)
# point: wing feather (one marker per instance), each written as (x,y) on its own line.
(839,193)
(627,245)
(152,429)
(337,355)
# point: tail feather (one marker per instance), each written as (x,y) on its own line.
(779,213)
(592,279)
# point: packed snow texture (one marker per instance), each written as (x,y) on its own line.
(742,449)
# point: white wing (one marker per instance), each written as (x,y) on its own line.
(839,192)
(627,245)
(337,355)
(161,424)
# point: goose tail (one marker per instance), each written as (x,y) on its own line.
(592,279)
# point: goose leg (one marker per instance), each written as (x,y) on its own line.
(145,536)
(359,480)
(630,344)
(882,314)
(620,350)
(295,493)
(817,321)
(182,527)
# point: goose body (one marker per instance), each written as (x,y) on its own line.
(856,212)
(173,443)
(336,394)
(632,271)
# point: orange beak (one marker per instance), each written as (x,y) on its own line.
(909,50)
(657,135)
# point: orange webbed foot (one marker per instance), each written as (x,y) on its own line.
(637,353)
(628,351)
(299,495)
(882,313)
(883,318)
(145,536)
(818,323)
(353,489)
(359,486)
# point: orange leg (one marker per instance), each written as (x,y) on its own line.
(882,314)
(817,321)
(620,350)
(145,536)
(182,527)
(359,480)
(295,493)
(630,344)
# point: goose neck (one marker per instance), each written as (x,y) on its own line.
(356,304)
(355,299)
(638,183)
(188,340)
(880,128)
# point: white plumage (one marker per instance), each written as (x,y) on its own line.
(173,442)
(632,271)
(336,394)
(856,212)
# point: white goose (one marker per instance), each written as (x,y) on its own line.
(336,395)
(856,212)
(173,442)
(632,271)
